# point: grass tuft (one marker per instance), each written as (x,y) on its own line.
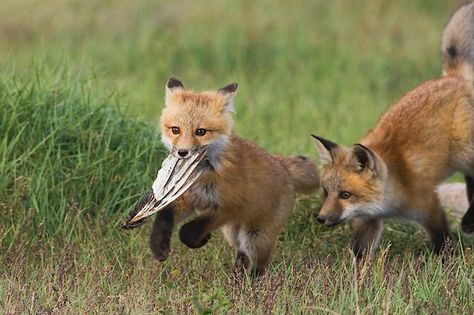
(67,159)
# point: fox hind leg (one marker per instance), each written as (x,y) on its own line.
(242,261)
(366,235)
(255,247)
(248,253)
(231,234)
(467,222)
(469,187)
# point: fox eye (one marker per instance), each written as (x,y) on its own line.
(200,132)
(175,130)
(345,195)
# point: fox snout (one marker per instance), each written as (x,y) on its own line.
(330,220)
(183,153)
(331,211)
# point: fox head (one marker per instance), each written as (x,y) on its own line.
(353,182)
(191,120)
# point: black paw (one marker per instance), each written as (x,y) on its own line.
(192,234)
(242,262)
(244,266)
(160,251)
(160,244)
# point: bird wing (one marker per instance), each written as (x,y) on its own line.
(173,179)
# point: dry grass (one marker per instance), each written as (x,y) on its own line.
(101,276)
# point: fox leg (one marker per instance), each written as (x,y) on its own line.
(231,234)
(257,239)
(469,187)
(261,257)
(242,261)
(163,227)
(255,247)
(437,226)
(252,254)
(365,236)
(467,222)
(197,232)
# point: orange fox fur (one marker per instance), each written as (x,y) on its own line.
(245,191)
(421,140)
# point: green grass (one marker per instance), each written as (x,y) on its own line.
(81,89)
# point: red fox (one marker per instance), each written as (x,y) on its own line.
(245,191)
(422,139)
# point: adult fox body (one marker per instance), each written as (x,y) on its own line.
(245,191)
(415,145)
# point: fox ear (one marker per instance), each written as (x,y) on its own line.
(172,85)
(363,158)
(326,149)
(228,92)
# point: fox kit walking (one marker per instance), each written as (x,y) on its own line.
(245,191)
(415,145)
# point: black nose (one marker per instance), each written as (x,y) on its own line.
(182,152)
(321,219)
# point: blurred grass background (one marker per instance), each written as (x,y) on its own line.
(81,90)
(303,67)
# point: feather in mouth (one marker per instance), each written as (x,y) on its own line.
(174,178)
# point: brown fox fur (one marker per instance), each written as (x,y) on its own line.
(244,191)
(422,139)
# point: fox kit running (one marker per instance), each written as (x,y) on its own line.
(245,191)
(415,145)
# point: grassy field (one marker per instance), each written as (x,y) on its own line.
(81,89)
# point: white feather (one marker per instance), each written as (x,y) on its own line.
(173,179)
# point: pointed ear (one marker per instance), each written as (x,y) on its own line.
(326,149)
(363,158)
(228,92)
(172,85)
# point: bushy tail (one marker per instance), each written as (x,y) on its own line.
(457,44)
(303,172)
